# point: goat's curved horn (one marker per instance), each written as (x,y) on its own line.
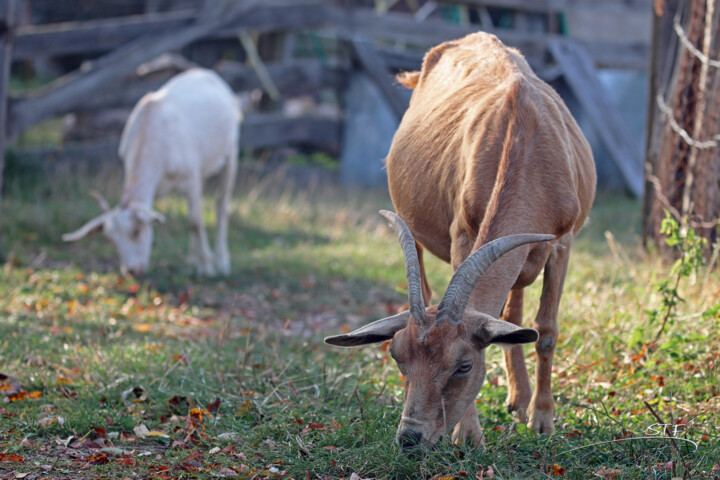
(100,199)
(452,306)
(412,266)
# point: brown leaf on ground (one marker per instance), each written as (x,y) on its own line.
(214,405)
(11,457)
(227,472)
(85,443)
(97,459)
(556,470)
(49,420)
(126,460)
(608,473)
(136,394)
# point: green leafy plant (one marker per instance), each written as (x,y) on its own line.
(690,247)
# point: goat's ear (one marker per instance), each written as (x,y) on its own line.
(490,330)
(146,214)
(92,227)
(408,79)
(378,331)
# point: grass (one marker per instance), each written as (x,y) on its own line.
(177,376)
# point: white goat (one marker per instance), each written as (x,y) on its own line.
(175,137)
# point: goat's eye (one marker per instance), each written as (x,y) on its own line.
(465,367)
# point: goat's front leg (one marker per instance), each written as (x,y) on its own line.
(519,392)
(542,405)
(469,428)
(200,254)
(222,254)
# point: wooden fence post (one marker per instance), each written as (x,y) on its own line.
(7,20)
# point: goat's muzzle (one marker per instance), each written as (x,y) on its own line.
(409,439)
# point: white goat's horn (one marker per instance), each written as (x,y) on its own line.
(452,306)
(104,205)
(412,266)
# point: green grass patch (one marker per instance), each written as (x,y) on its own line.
(177,376)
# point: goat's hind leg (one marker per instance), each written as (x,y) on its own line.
(519,392)
(200,254)
(542,405)
(222,253)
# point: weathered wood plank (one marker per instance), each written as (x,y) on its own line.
(267,130)
(107,34)
(67,90)
(299,77)
(258,130)
(374,65)
(7,17)
(93,36)
(103,35)
(522,5)
(581,76)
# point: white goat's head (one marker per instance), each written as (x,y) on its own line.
(129,228)
(441,350)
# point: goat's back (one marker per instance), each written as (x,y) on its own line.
(484,133)
(192,120)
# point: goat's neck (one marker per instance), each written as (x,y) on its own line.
(142,177)
(494,286)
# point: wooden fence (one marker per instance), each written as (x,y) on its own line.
(391,36)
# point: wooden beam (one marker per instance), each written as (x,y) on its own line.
(103,35)
(66,91)
(582,78)
(107,34)
(7,21)
(374,65)
(298,77)
(258,130)
(93,36)
(268,130)
(540,6)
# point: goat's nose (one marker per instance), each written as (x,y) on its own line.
(409,439)
(136,272)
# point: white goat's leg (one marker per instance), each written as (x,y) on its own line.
(200,254)
(222,253)
(542,405)
(519,391)
(469,428)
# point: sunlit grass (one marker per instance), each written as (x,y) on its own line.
(305,265)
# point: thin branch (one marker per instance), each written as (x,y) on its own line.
(673,443)
(257,64)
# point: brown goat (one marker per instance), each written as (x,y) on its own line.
(486,161)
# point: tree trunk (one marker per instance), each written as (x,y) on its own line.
(683,156)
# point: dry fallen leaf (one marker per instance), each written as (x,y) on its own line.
(46,421)
(141,430)
(11,457)
(556,470)
(608,473)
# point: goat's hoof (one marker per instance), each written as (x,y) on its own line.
(223,267)
(542,421)
(519,413)
(206,270)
